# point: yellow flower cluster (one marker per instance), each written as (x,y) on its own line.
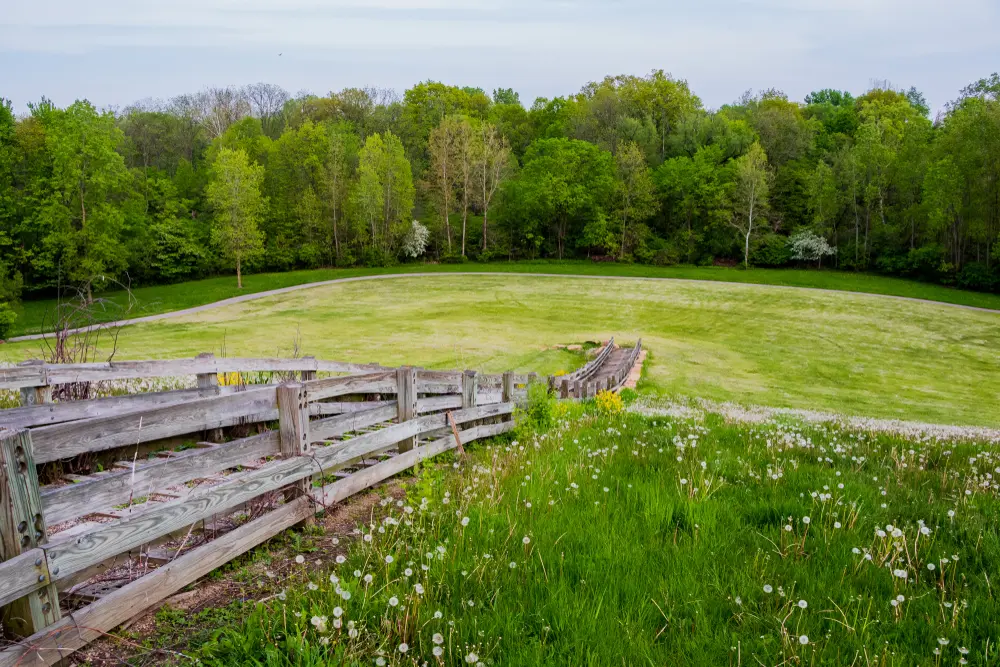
(229,379)
(609,403)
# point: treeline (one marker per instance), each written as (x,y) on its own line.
(630,168)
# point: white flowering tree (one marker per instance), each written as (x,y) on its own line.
(415,241)
(809,247)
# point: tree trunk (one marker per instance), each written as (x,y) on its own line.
(239,273)
(486,211)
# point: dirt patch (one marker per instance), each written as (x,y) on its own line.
(150,639)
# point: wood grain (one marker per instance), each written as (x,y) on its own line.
(91,435)
(85,625)
(107,490)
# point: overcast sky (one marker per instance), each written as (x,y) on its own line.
(114,52)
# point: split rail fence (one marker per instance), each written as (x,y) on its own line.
(306,443)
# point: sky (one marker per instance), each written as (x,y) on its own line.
(114,52)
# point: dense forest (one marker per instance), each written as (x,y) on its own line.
(631,168)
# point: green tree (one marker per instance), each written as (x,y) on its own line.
(235,196)
(80,217)
(564,184)
(750,189)
(635,193)
(385,194)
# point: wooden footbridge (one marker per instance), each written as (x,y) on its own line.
(110,505)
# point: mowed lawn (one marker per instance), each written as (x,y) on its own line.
(786,347)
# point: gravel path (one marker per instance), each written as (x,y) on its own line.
(284,290)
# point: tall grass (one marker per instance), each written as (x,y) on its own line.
(619,539)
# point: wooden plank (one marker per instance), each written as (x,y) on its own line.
(108,540)
(487,397)
(435,403)
(85,625)
(436,387)
(19,575)
(68,502)
(16,377)
(55,413)
(363,479)
(369,383)
(406,401)
(324,429)
(449,377)
(39,394)
(22,528)
(64,440)
(345,407)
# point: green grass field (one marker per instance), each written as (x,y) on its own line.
(37,315)
(812,349)
(617,539)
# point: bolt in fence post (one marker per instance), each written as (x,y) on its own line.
(209,381)
(293,433)
(41,393)
(508,387)
(306,376)
(22,528)
(406,402)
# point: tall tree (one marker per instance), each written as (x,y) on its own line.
(751,186)
(386,183)
(443,148)
(493,167)
(635,191)
(341,157)
(81,213)
(235,196)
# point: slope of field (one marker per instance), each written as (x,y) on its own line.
(857,354)
(621,540)
(37,315)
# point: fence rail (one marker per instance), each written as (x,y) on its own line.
(169,471)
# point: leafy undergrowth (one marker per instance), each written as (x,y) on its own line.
(621,539)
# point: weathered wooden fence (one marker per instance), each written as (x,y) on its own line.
(318,441)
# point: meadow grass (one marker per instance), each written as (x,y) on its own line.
(622,539)
(847,353)
(37,315)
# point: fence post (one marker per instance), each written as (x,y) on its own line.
(22,528)
(469,388)
(209,381)
(293,432)
(38,394)
(306,376)
(508,387)
(406,402)
(564,393)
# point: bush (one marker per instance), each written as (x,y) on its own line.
(977,276)
(375,257)
(7,319)
(770,250)
(629,396)
(454,259)
(539,413)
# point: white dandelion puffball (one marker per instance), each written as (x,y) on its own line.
(393,601)
(806,520)
(803,639)
(803,604)
(526,540)
(300,559)
(404,647)
(388,559)
(768,589)
(472,658)
(438,638)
